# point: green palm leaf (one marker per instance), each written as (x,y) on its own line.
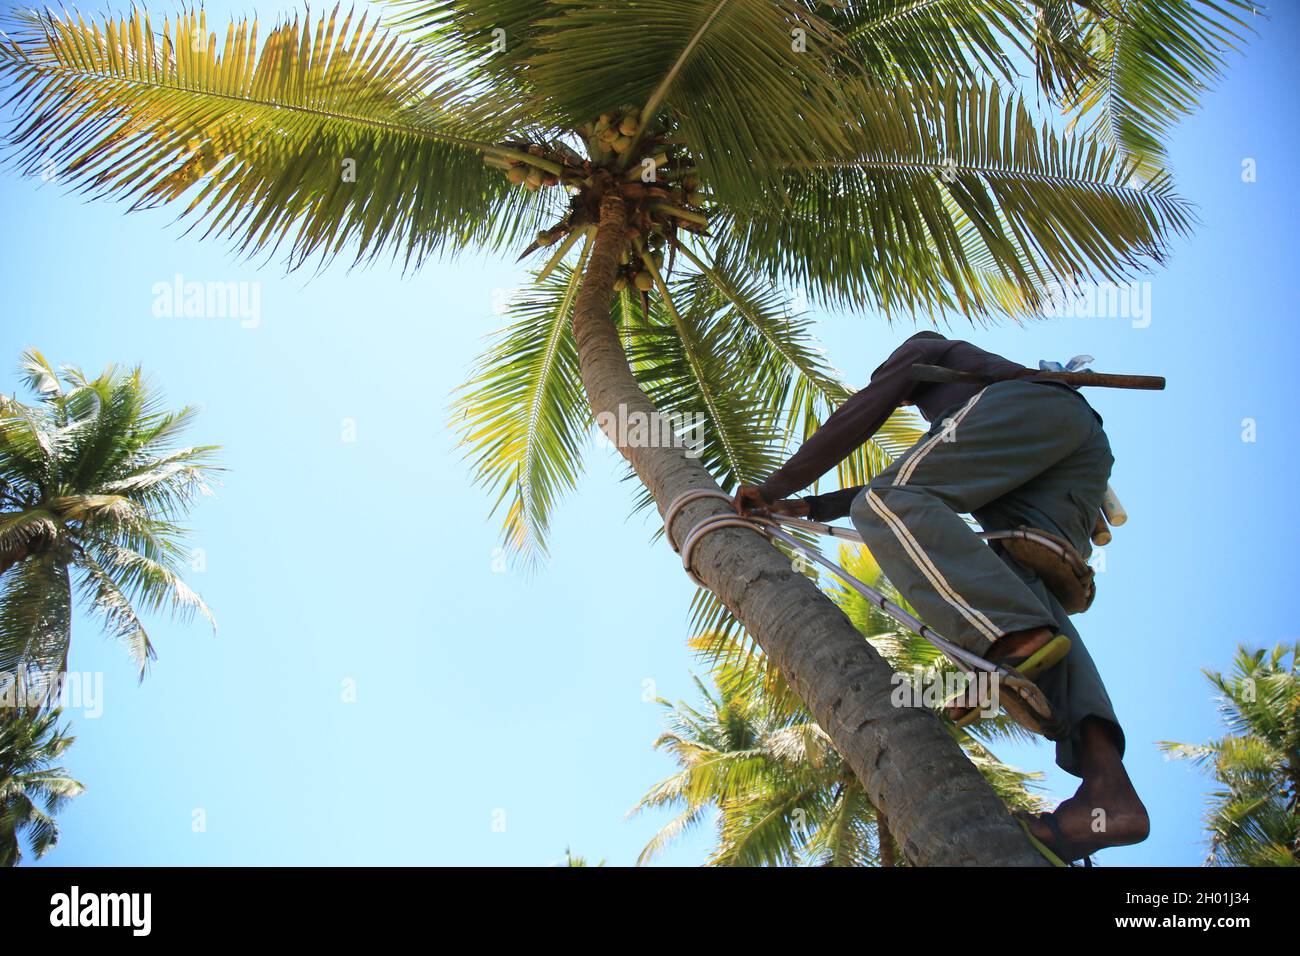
(904,40)
(689,362)
(33,787)
(94,478)
(522,415)
(104,595)
(35,618)
(332,133)
(724,74)
(781,793)
(1155,59)
(946,184)
(1254,818)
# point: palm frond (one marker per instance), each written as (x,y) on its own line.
(567,63)
(105,598)
(1156,59)
(168,485)
(792,373)
(690,364)
(1254,819)
(31,745)
(764,830)
(27,448)
(20,529)
(905,40)
(522,414)
(35,617)
(332,133)
(39,375)
(149,581)
(845,837)
(947,183)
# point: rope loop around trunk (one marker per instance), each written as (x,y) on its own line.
(770,528)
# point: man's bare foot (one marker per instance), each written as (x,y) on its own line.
(1093,820)
(1020,644)
(1015,646)
(1106,810)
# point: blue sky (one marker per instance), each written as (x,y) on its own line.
(500,717)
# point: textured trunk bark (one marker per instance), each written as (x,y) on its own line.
(9,558)
(884,839)
(936,800)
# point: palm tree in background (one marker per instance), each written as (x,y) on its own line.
(754,754)
(875,153)
(93,478)
(1255,819)
(33,787)
(571,860)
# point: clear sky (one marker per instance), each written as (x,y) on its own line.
(500,717)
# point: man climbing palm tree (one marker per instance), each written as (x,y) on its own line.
(1016,453)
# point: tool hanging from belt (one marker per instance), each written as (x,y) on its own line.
(769,526)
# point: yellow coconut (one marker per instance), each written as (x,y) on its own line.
(644,281)
(516,174)
(622,144)
(628,126)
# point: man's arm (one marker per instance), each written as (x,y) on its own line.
(848,427)
(827,507)
(835,504)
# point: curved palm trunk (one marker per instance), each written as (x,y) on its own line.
(885,840)
(911,768)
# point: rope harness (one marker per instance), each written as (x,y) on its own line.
(770,527)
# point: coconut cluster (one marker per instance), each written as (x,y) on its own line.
(643,161)
(533,178)
(614,133)
(633,271)
(616,141)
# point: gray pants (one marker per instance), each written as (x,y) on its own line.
(1018,453)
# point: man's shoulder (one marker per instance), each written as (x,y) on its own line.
(928,334)
(934,348)
(926,346)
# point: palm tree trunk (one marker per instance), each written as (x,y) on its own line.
(884,840)
(907,763)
